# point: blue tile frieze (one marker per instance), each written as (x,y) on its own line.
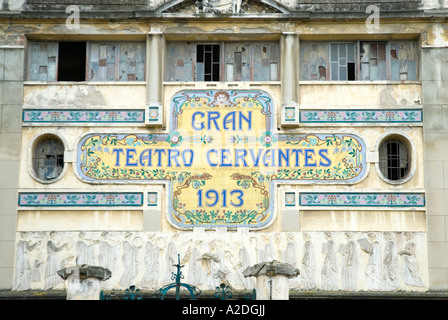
(80,116)
(80,199)
(348,199)
(362,116)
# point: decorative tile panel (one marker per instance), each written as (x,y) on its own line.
(80,199)
(290,113)
(290,199)
(80,116)
(362,116)
(362,199)
(154,114)
(213,186)
(152,199)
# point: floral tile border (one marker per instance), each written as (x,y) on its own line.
(362,199)
(77,116)
(362,116)
(80,199)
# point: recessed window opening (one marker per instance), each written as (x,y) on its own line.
(342,57)
(394,159)
(208,62)
(72,61)
(48,157)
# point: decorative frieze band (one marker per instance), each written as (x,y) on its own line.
(80,116)
(352,199)
(361,116)
(136,199)
(39,116)
(84,199)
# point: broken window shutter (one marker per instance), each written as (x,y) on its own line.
(200,64)
(274,61)
(246,62)
(382,63)
(393,62)
(378,64)
(334,61)
(238,63)
(313,60)
(403,61)
(131,61)
(180,62)
(102,61)
(235,62)
(43,61)
(365,61)
(351,61)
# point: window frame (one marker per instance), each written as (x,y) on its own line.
(31,151)
(87,77)
(412,156)
(324,55)
(189,49)
(339,58)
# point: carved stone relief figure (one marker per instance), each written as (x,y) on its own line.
(54,261)
(236,6)
(24,270)
(170,261)
(329,270)
(108,256)
(242,264)
(308,264)
(130,261)
(390,264)
(267,250)
(411,273)
(151,276)
(217,270)
(85,249)
(349,273)
(196,274)
(220,6)
(373,269)
(290,256)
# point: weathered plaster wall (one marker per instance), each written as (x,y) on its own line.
(435,102)
(11,89)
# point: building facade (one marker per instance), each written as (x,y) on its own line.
(225,134)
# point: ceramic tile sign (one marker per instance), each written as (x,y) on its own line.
(221,158)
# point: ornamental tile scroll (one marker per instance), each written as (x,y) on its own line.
(221,158)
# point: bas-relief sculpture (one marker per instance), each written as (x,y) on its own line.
(222,6)
(328,261)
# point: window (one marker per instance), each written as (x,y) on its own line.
(342,57)
(48,157)
(123,61)
(358,60)
(225,61)
(43,61)
(207,62)
(373,61)
(104,61)
(72,61)
(394,159)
